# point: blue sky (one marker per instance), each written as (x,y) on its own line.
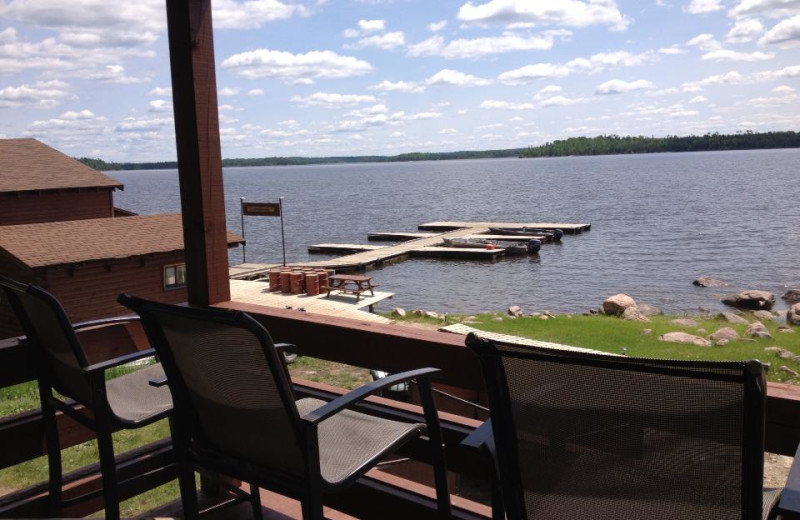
(351,77)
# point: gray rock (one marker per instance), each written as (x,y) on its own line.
(752,300)
(433,315)
(785,330)
(616,305)
(732,318)
(544,317)
(707,281)
(649,310)
(683,337)
(757,330)
(789,371)
(512,317)
(776,350)
(647,331)
(498,318)
(701,331)
(685,322)
(397,311)
(703,308)
(721,343)
(793,315)
(419,313)
(726,333)
(634,314)
(549,314)
(792,296)
(764,315)
(535,314)
(514,310)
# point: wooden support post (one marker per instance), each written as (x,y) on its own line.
(194,98)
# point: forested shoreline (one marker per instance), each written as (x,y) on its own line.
(599,145)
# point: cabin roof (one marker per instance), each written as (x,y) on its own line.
(30,165)
(52,244)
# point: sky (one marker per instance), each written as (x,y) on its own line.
(358,77)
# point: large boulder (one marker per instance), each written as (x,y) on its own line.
(752,300)
(732,318)
(649,310)
(683,337)
(793,315)
(634,314)
(399,311)
(707,281)
(792,296)
(757,330)
(514,311)
(764,315)
(616,305)
(725,333)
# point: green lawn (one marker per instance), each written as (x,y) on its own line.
(611,334)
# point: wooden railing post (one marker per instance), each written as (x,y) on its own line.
(194,98)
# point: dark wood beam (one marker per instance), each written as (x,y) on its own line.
(194,98)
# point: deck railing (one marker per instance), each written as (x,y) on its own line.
(391,348)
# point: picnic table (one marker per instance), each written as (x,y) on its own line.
(351,284)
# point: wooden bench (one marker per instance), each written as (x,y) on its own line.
(350,284)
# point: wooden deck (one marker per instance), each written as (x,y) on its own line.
(565,227)
(341,248)
(397,237)
(340,305)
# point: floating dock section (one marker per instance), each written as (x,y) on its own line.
(570,229)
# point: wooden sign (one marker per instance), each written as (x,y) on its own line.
(261,209)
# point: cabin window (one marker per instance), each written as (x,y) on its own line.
(174,276)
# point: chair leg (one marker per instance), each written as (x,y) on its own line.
(498,512)
(255,501)
(312,508)
(53,457)
(437,448)
(191,510)
(108,470)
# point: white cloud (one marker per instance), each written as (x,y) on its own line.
(729,55)
(792,71)
(112,74)
(425,115)
(448,131)
(255,92)
(549,89)
(70,129)
(676,110)
(40,95)
(745,30)
(386,41)
(783,89)
(618,86)
(79,115)
(703,6)
(132,124)
(561,101)
(160,105)
(161,91)
(506,105)
(252,14)
(772,8)
(673,50)
(367,26)
(437,26)
(571,13)
(456,78)
(698,99)
(295,68)
(606,60)
(398,86)
(529,73)
(477,47)
(332,100)
(228,92)
(704,42)
(785,31)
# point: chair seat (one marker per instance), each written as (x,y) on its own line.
(132,398)
(771,497)
(349,440)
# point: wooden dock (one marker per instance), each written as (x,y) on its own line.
(396,237)
(570,229)
(341,305)
(428,245)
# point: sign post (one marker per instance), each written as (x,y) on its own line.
(264,209)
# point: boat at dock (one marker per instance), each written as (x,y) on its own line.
(551,234)
(518,249)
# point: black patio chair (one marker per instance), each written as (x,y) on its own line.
(125,402)
(581,436)
(236,413)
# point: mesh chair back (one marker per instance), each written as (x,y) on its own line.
(229,389)
(590,436)
(47,327)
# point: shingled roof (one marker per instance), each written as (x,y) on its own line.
(29,165)
(52,244)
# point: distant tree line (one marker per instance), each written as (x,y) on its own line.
(615,144)
(99,164)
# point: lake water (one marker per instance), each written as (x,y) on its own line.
(658,222)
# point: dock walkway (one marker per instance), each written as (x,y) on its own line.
(570,229)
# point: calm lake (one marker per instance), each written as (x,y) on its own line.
(658,222)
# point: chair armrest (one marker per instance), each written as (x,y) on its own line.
(157,382)
(285,347)
(340,403)
(789,505)
(104,321)
(121,360)
(480,437)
